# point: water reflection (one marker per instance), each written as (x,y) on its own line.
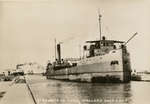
(105,93)
(62,92)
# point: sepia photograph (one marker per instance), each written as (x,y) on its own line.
(74,51)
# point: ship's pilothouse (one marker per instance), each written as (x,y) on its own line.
(100,47)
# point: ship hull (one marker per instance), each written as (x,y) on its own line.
(91,77)
(106,68)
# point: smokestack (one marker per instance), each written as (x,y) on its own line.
(59,52)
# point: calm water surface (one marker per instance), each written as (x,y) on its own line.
(62,92)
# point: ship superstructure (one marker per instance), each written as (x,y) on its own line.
(103,61)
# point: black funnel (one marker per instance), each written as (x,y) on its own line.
(59,52)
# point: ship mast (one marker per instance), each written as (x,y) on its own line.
(55,48)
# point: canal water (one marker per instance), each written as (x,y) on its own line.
(63,92)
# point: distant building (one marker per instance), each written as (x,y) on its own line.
(30,68)
(1,76)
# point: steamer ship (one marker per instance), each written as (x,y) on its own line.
(104,61)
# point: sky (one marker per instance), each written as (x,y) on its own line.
(28,28)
